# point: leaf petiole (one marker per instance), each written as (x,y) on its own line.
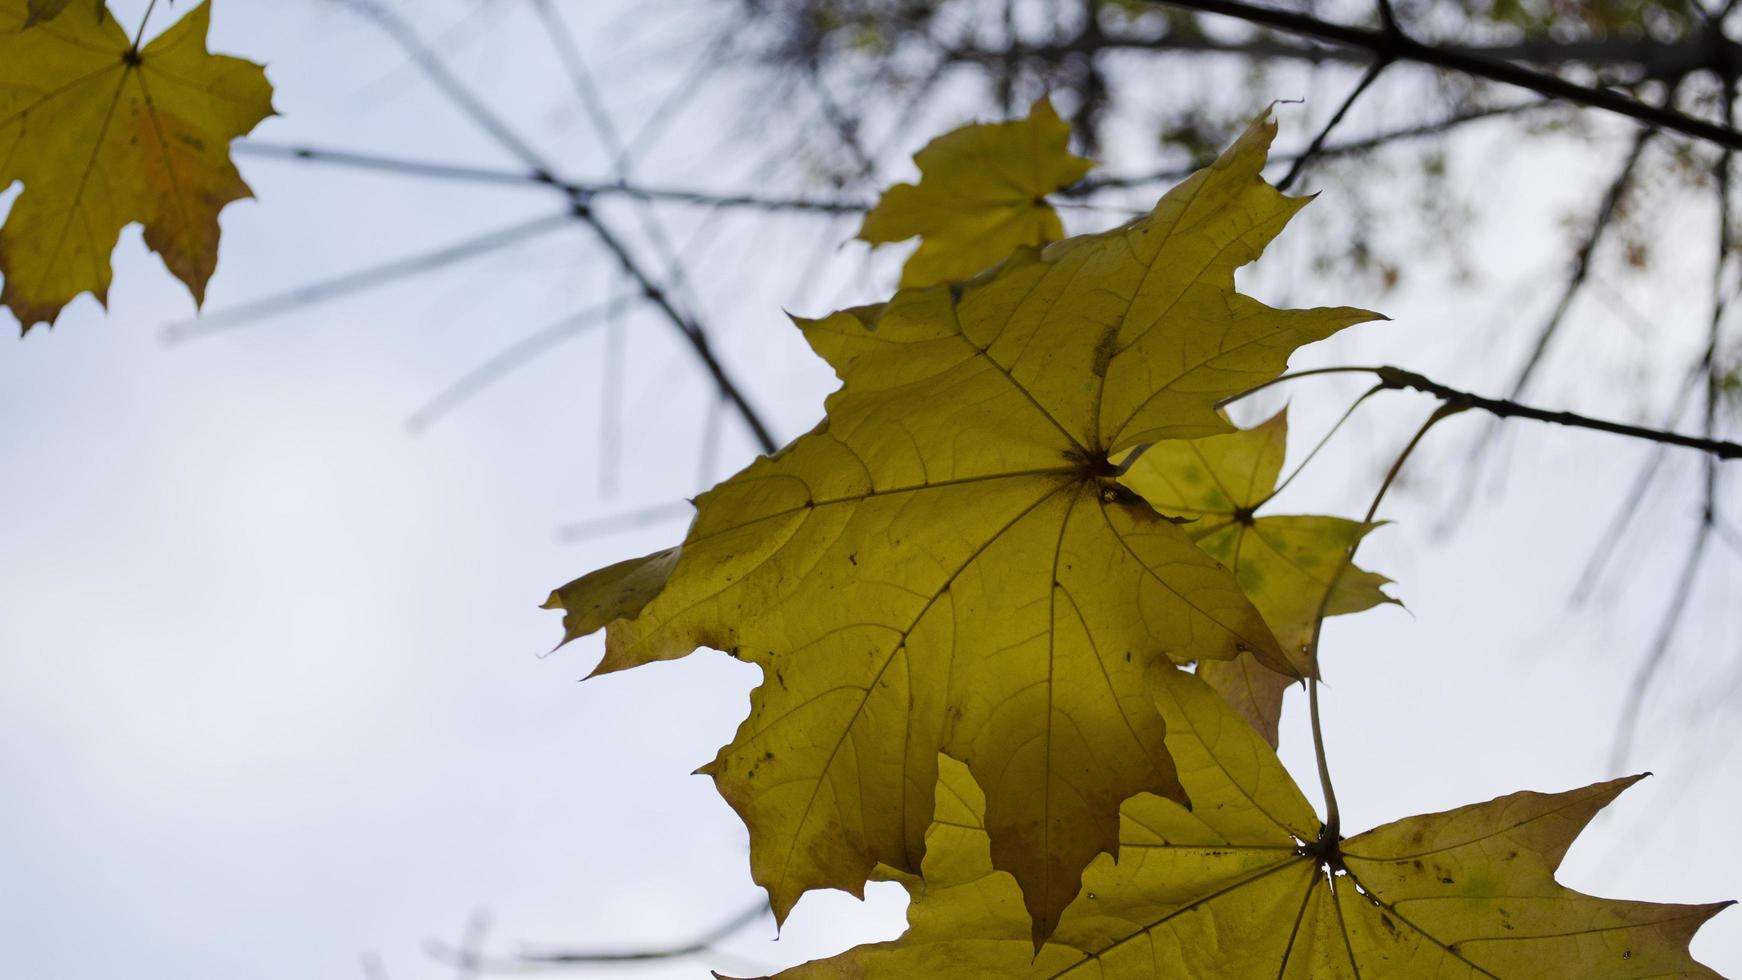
(1333,818)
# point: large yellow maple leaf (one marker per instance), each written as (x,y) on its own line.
(103,135)
(1291,567)
(1245,885)
(948,562)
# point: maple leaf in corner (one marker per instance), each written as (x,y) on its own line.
(948,562)
(102,136)
(1245,885)
(1285,564)
(981,196)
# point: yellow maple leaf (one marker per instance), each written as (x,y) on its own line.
(38,11)
(947,561)
(1285,565)
(981,196)
(1243,885)
(103,135)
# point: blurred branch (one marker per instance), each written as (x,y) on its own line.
(1550,328)
(580,206)
(671,510)
(1363,145)
(1400,47)
(1611,202)
(1655,659)
(469,958)
(506,361)
(1610,539)
(565,958)
(1647,59)
(700,944)
(536,178)
(362,279)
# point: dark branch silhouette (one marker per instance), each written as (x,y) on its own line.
(1318,141)
(1381,44)
(1400,380)
(1095,183)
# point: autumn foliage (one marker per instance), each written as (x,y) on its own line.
(976,588)
(1024,622)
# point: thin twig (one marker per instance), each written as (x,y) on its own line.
(701,944)
(580,206)
(545,960)
(1323,441)
(1318,141)
(1684,587)
(671,510)
(1388,17)
(506,361)
(1550,328)
(364,279)
(587,93)
(1399,47)
(535,179)
(1660,646)
(1649,468)
(1399,379)
(1600,224)
(471,950)
(1363,145)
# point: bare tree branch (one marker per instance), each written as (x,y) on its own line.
(1398,47)
(1363,145)
(580,206)
(1399,379)
(1313,148)
(1641,58)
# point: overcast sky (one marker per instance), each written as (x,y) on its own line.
(275,704)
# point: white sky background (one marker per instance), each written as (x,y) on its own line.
(272,695)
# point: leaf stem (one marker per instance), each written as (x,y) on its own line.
(1333,817)
(139,35)
(1298,467)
